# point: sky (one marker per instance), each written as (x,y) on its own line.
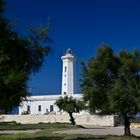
(82,25)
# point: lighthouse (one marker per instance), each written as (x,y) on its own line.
(46,103)
(68,74)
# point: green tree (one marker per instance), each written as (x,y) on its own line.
(70,105)
(20,57)
(111,83)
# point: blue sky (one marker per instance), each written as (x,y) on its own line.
(81,25)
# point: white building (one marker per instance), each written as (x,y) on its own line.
(45,104)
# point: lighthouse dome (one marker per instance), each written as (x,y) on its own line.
(69,51)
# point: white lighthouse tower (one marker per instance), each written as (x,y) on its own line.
(46,104)
(68,71)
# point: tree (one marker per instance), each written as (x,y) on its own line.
(111,83)
(70,105)
(20,57)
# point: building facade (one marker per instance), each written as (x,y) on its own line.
(46,104)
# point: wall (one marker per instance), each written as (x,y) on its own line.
(44,101)
(80,119)
(45,105)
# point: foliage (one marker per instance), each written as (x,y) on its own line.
(69,105)
(53,136)
(111,83)
(18,126)
(19,58)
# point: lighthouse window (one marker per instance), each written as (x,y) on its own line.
(65,84)
(39,108)
(65,69)
(28,108)
(64,93)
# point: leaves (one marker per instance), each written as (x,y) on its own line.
(19,58)
(111,82)
(69,104)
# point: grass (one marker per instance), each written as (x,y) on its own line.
(47,133)
(44,135)
(17,126)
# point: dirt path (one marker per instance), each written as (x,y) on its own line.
(96,130)
(18,131)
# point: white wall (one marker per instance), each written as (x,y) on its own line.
(45,102)
(80,119)
(34,106)
(44,105)
(23,106)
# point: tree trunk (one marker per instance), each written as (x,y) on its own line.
(127,131)
(71,118)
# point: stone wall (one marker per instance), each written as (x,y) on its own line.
(80,119)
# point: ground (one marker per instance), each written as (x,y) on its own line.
(98,130)
(52,132)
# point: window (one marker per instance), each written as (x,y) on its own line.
(65,84)
(65,69)
(64,93)
(28,108)
(39,108)
(51,108)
